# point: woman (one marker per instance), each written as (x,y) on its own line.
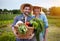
(36,12)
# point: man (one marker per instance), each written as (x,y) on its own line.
(25,16)
(36,12)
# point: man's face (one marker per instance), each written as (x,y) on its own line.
(27,10)
(36,11)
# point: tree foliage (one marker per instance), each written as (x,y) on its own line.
(55,11)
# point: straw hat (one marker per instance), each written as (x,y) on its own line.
(22,6)
(34,7)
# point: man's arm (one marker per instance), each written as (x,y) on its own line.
(15,20)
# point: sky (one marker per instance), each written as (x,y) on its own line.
(15,4)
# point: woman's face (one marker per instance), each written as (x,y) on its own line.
(36,11)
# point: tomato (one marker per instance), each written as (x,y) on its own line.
(27,23)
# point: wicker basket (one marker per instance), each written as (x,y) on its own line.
(24,36)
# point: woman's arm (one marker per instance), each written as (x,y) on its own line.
(46,27)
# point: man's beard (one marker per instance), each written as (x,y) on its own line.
(27,13)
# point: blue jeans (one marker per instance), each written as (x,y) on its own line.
(33,39)
(41,36)
(22,39)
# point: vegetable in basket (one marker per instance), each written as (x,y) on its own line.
(22,29)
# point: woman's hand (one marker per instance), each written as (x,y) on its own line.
(45,35)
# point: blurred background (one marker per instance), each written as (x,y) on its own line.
(11,8)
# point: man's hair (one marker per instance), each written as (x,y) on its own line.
(27,5)
(36,7)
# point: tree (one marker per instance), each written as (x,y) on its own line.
(16,11)
(55,11)
(0,11)
(5,10)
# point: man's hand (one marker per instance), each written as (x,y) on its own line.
(14,31)
(31,36)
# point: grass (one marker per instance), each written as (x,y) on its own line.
(55,20)
(5,23)
(54,28)
(7,36)
(7,16)
(6,19)
(53,33)
(6,33)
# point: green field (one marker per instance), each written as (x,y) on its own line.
(6,21)
(54,20)
(54,28)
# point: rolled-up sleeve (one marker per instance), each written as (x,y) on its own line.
(15,20)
